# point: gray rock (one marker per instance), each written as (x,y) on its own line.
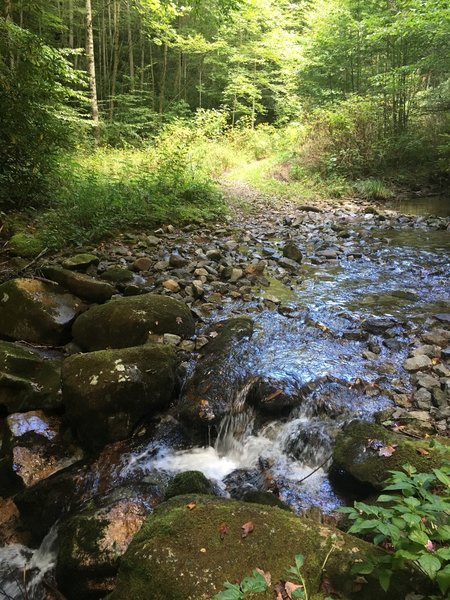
(81,285)
(177,262)
(292,252)
(427,381)
(80,261)
(417,362)
(288,264)
(377,325)
(440,398)
(422,398)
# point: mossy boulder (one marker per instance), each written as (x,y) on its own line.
(81,261)
(189,482)
(118,275)
(129,322)
(35,311)
(368,452)
(81,285)
(27,381)
(92,542)
(106,393)
(180,554)
(26,245)
(208,395)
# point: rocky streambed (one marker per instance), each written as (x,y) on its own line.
(257,358)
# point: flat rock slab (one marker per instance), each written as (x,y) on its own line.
(38,312)
(131,320)
(106,393)
(81,285)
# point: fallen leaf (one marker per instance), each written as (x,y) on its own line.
(179,320)
(267,576)
(191,505)
(280,591)
(327,587)
(435,361)
(291,587)
(387,450)
(422,451)
(247,528)
(223,530)
(273,396)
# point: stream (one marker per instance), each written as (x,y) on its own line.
(310,341)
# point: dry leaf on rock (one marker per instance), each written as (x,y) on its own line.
(291,587)
(247,528)
(223,530)
(387,450)
(191,505)
(422,451)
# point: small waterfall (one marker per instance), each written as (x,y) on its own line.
(23,570)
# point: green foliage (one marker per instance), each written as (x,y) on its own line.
(413,527)
(37,83)
(239,591)
(373,189)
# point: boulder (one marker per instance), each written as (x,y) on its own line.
(33,449)
(28,381)
(81,285)
(118,275)
(129,322)
(208,396)
(106,393)
(368,452)
(78,262)
(26,245)
(292,252)
(188,482)
(181,554)
(37,312)
(92,542)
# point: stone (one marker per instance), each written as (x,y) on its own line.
(129,321)
(329,253)
(422,398)
(440,398)
(106,393)
(441,370)
(292,252)
(26,245)
(142,264)
(171,339)
(33,449)
(81,285)
(152,240)
(177,262)
(28,381)
(428,350)
(80,261)
(171,285)
(288,264)
(118,275)
(187,345)
(426,381)
(417,362)
(214,254)
(182,554)
(188,482)
(377,325)
(35,311)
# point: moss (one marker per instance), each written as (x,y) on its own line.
(266,498)
(118,275)
(353,453)
(189,482)
(180,554)
(26,244)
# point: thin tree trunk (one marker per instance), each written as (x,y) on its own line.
(200,83)
(91,70)
(8,17)
(71,36)
(130,47)
(115,58)
(162,90)
(142,42)
(152,75)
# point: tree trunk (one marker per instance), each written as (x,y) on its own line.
(115,57)
(91,70)
(130,47)
(162,89)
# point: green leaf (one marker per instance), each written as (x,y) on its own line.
(443,533)
(363,568)
(384,578)
(430,564)
(443,553)
(232,592)
(254,584)
(299,561)
(407,554)
(443,478)
(443,579)
(386,498)
(418,536)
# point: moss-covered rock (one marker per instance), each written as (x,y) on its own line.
(26,245)
(129,322)
(80,261)
(189,482)
(180,554)
(106,393)
(118,275)
(92,542)
(27,381)
(35,311)
(362,450)
(81,285)
(208,395)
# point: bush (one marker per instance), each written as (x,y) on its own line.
(36,120)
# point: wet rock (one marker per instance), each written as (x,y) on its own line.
(272,396)
(177,262)
(427,381)
(129,321)
(175,540)
(207,393)
(106,393)
(27,381)
(92,542)
(288,264)
(35,311)
(329,253)
(171,285)
(33,448)
(431,351)
(417,362)
(11,531)
(377,325)
(436,338)
(358,446)
(118,275)
(292,252)
(81,285)
(188,482)
(80,261)
(142,264)
(440,398)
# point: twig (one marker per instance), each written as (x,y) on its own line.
(316,469)
(40,255)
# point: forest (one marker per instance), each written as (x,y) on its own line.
(224,299)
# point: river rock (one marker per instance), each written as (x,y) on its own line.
(368,452)
(417,362)
(27,381)
(293,252)
(142,264)
(37,312)
(118,275)
(106,393)
(377,325)
(129,322)
(182,554)
(208,393)
(80,261)
(189,482)
(92,542)
(81,285)
(33,449)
